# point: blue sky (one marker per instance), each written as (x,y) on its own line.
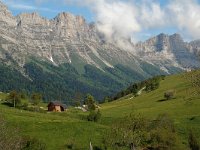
(140,19)
(48,9)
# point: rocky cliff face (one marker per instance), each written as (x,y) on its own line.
(57,41)
(165,51)
(195,47)
(65,37)
(69,39)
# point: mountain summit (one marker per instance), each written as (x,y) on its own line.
(65,55)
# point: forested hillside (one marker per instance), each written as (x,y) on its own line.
(158,121)
(64,81)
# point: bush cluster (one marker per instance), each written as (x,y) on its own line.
(193,142)
(21,101)
(94,116)
(169,94)
(137,132)
(148,85)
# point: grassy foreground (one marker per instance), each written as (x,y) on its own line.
(59,130)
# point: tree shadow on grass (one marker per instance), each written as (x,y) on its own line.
(163,100)
(7,104)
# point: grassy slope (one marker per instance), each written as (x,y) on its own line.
(59,129)
(56,130)
(181,109)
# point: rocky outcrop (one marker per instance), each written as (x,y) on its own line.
(6,18)
(168,50)
(195,47)
(63,39)
(70,39)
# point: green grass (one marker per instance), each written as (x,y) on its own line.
(55,129)
(2,96)
(59,129)
(181,109)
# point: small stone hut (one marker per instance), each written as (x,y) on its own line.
(56,106)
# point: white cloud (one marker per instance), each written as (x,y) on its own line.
(119,19)
(186,17)
(151,15)
(23,6)
(122,19)
(116,19)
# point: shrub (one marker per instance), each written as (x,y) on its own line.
(33,144)
(135,131)
(25,106)
(70,143)
(169,94)
(149,85)
(106,99)
(36,98)
(162,134)
(90,102)
(193,143)
(14,98)
(94,116)
(98,116)
(129,132)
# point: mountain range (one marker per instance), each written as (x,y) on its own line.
(63,56)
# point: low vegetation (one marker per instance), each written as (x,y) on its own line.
(169,94)
(22,101)
(137,132)
(193,141)
(11,139)
(147,85)
(176,128)
(94,115)
(14,98)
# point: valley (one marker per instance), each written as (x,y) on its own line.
(69,55)
(58,130)
(91,82)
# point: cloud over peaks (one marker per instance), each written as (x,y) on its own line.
(117,19)
(185,15)
(124,19)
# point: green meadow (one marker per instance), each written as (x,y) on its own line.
(59,130)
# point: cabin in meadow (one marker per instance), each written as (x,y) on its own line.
(56,106)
